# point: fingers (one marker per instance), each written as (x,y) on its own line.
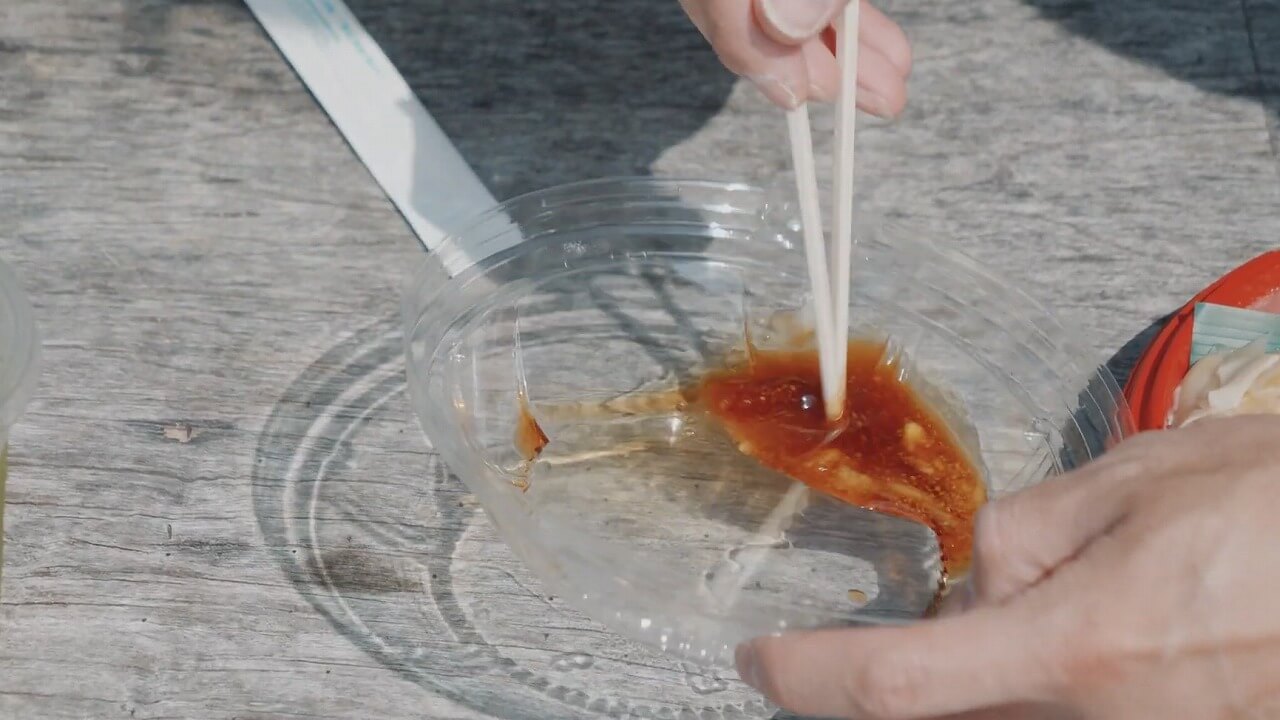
(884,62)
(1024,711)
(876,31)
(793,22)
(740,42)
(1022,538)
(823,71)
(995,651)
(783,46)
(987,658)
(882,86)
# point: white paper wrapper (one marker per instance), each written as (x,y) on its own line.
(1236,365)
(1269,304)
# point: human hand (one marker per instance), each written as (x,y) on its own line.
(1144,585)
(787,49)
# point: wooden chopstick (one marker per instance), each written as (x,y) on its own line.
(842,200)
(815,249)
(829,267)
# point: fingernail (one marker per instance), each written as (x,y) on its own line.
(797,20)
(779,92)
(745,658)
(874,103)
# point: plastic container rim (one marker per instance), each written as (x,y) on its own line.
(19,379)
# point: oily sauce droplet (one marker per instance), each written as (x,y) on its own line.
(889,453)
(529,439)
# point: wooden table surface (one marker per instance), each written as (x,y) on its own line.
(219,506)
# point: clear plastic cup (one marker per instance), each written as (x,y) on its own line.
(614,294)
(19,369)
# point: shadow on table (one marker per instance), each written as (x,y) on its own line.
(1123,361)
(1222,47)
(536,93)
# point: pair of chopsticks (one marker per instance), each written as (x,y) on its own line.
(828,272)
(829,266)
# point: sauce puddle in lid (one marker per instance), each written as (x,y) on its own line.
(889,453)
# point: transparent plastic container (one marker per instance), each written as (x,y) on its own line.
(614,294)
(19,370)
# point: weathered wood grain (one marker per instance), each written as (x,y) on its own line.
(200,245)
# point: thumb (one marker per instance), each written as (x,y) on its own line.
(793,22)
(992,657)
(1022,538)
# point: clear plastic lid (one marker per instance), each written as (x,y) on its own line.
(19,368)
(19,349)
(618,295)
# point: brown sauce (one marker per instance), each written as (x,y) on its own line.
(889,453)
(529,437)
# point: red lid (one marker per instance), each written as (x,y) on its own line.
(1166,361)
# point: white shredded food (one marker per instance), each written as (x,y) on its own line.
(1245,381)
(1270,304)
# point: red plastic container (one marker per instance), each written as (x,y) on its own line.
(1168,358)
